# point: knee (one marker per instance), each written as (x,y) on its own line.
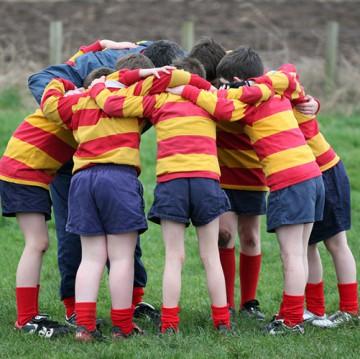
(39,246)
(224,238)
(249,240)
(176,258)
(334,245)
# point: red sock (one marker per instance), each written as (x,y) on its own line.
(37,298)
(220,316)
(69,304)
(349,298)
(123,319)
(292,310)
(138,293)
(169,318)
(227,258)
(26,302)
(86,315)
(315,299)
(249,276)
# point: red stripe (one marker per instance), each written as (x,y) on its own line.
(250,94)
(49,93)
(10,167)
(309,128)
(278,142)
(271,107)
(170,110)
(104,144)
(114,105)
(202,174)
(64,108)
(242,176)
(45,141)
(326,157)
(186,145)
(232,141)
(224,109)
(293,175)
(86,117)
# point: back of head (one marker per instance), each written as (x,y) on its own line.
(191,65)
(95,74)
(163,52)
(209,53)
(134,61)
(243,62)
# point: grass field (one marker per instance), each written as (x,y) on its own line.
(197,338)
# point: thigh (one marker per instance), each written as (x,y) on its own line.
(94,248)
(174,236)
(121,245)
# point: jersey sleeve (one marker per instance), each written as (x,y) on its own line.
(94,47)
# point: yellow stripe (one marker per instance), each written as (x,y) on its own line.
(238,159)
(330,164)
(74,57)
(286,159)
(19,181)
(146,85)
(245,188)
(31,155)
(207,101)
(86,103)
(106,127)
(318,144)
(123,156)
(51,112)
(271,125)
(300,117)
(185,126)
(179,77)
(280,82)
(187,163)
(133,107)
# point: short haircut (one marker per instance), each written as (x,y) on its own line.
(163,52)
(243,62)
(134,61)
(191,65)
(95,74)
(209,53)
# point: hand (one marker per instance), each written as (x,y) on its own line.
(156,71)
(100,80)
(74,92)
(178,90)
(109,44)
(310,107)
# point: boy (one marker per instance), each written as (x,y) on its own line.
(69,249)
(188,189)
(292,176)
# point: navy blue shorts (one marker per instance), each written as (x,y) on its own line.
(22,198)
(337,210)
(200,200)
(249,203)
(106,199)
(297,204)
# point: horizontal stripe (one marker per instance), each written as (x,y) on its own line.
(187,163)
(45,141)
(120,156)
(276,106)
(202,174)
(106,127)
(242,177)
(278,142)
(294,175)
(271,125)
(16,169)
(330,164)
(32,156)
(318,145)
(85,103)
(101,145)
(302,118)
(326,157)
(238,159)
(186,126)
(233,141)
(186,145)
(86,117)
(286,159)
(309,128)
(24,182)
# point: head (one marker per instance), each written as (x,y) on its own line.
(95,74)
(191,65)
(134,61)
(209,53)
(163,52)
(243,63)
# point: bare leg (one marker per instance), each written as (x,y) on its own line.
(249,233)
(121,248)
(315,265)
(228,223)
(305,240)
(173,236)
(209,253)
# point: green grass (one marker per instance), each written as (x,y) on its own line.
(197,338)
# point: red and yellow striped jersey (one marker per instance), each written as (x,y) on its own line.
(38,147)
(274,134)
(186,134)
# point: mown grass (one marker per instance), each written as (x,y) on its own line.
(197,338)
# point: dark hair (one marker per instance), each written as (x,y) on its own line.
(209,53)
(163,52)
(191,65)
(134,61)
(243,62)
(95,74)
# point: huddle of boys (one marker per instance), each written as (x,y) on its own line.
(256,137)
